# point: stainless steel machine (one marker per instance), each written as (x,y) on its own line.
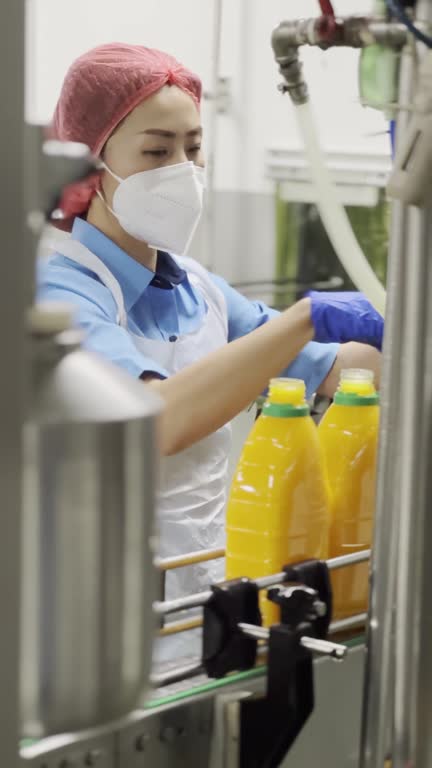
(88,501)
(76,529)
(79,528)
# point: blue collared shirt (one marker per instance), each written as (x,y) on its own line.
(161,305)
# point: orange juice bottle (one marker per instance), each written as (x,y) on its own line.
(278,509)
(349,435)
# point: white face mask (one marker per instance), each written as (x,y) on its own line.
(162,207)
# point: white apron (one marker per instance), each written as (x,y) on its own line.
(192,488)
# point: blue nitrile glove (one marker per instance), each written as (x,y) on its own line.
(345,316)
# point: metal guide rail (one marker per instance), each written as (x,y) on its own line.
(184,693)
(180,723)
(175,721)
(199,599)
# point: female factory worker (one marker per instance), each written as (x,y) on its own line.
(162,317)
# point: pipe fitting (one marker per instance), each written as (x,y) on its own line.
(351,32)
(285,44)
(294,83)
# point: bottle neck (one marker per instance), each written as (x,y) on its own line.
(356,387)
(286,410)
(286,399)
(355,399)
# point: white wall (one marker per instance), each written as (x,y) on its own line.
(59,30)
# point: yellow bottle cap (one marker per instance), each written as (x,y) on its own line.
(287,391)
(359,381)
(356,387)
(286,398)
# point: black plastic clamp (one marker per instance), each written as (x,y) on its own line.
(225,648)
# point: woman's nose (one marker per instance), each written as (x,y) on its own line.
(180,155)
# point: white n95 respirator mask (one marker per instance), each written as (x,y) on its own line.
(162,207)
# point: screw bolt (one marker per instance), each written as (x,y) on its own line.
(93,757)
(142,741)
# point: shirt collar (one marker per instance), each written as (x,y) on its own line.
(133,277)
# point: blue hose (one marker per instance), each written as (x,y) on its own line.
(392,132)
(399,11)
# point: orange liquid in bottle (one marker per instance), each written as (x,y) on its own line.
(278,507)
(349,434)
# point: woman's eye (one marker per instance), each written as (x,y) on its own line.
(194,150)
(155,152)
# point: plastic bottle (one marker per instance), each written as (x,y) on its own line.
(349,435)
(278,507)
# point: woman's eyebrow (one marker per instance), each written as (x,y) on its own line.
(170,134)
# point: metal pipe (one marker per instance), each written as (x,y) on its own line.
(412,744)
(260,633)
(424,677)
(175,627)
(350,623)
(351,31)
(182,603)
(341,562)
(313,644)
(378,670)
(176,675)
(201,598)
(181,561)
(16,282)
(333,564)
(412,494)
(324,648)
(402,479)
(192,670)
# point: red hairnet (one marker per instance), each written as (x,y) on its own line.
(101,87)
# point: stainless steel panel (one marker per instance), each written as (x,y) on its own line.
(378,688)
(413,705)
(378,672)
(72,751)
(176,737)
(15,280)
(88,576)
(415,415)
(398,700)
(185,725)
(424,634)
(330,738)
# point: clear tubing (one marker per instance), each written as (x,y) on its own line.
(334,216)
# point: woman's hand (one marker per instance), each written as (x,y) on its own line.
(210,392)
(345,317)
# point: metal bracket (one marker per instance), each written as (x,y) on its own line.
(270,725)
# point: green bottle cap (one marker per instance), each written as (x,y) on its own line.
(351,398)
(285,410)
